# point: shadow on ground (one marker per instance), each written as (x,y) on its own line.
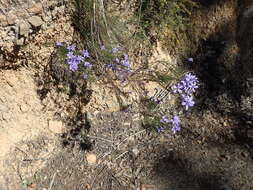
(176,172)
(223,63)
(218,156)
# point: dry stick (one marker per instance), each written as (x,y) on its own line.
(21,151)
(18,172)
(104,18)
(109,152)
(94,137)
(130,136)
(121,155)
(101,170)
(106,154)
(51,184)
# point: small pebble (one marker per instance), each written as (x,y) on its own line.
(91,158)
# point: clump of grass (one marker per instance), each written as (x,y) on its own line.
(166,20)
(151,123)
(98,27)
(171,74)
(156,117)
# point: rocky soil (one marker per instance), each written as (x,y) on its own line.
(50,140)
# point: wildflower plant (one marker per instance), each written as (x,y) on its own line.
(104,52)
(82,62)
(76,61)
(184,90)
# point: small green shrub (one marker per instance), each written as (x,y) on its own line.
(166,20)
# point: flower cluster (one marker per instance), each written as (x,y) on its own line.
(120,65)
(186,87)
(175,122)
(74,60)
(59,44)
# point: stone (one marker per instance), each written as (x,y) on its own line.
(20,41)
(3,20)
(225,124)
(21,14)
(10,38)
(11,19)
(91,158)
(35,21)
(90,117)
(24,28)
(147,187)
(55,126)
(37,8)
(135,151)
(24,108)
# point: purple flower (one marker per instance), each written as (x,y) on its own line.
(59,44)
(187,101)
(155,100)
(79,58)
(190,59)
(125,56)
(112,66)
(70,55)
(176,128)
(175,124)
(85,53)
(191,83)
(73,66)
(125,63)
(87,64)
(164,119)
(187,85)
(71,47)
(117,60)
(190,77)
(175,120)
(145,92)
(160,129)
(102,47)
(73,61)
(177,88)
(115,50)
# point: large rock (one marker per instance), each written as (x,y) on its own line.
(35,21)
(24,28)
(11,18)
(36,8)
